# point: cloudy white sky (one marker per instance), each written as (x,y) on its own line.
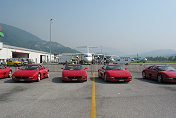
(128,26)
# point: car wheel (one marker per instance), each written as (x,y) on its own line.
(159,78)
(105,77)
(63,81)
(38,78)
(143,75)
(10,74)
(99,75)
(47,75)
(16,65)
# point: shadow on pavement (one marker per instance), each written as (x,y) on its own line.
(59,80)
(154,81)
(11,81)
(100,80)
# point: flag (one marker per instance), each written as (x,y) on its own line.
(1,34)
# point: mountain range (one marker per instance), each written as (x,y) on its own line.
(20,38)
(17,37)
(118,52)
(161,52)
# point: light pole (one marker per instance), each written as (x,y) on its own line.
(50,36)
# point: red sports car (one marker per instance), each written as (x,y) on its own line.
(74,73)
(5,71)
(161,73)
(114,73)
(30,72)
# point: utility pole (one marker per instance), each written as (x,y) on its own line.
(50,36)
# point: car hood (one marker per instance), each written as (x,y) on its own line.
(74,73)
(119,73)
(171,74)
(27,73)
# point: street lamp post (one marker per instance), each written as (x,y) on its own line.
(50,37)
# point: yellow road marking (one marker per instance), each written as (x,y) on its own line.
(93,105)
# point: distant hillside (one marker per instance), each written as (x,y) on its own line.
(161,52)
(20,38)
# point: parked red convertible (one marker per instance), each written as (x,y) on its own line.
(74,73)
(161,73)
(5,71)
(30,72)
(114,73)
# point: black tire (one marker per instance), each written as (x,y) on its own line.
(159,78)
(83,81)
(16,65)
(63,81)
(39,77)
(143,75)
(47,75)
(105,78)
(99,75)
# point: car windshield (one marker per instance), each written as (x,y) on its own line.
(29,68)
(166,68)
(114,68)
(74,67)
(16,60)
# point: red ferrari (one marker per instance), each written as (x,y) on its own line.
(114,73)
(30,72)
(5,71)
(161,73)
(74,73)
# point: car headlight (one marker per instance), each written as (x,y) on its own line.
(65,77)
(112,77)
(83,77)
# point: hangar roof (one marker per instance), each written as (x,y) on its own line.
(25,49)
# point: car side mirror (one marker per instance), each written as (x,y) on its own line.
(85,68)
(19,68)
(126,68)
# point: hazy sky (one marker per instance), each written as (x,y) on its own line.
(126,25)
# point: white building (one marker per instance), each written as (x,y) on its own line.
(7,51)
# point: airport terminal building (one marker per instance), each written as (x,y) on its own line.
(7,51)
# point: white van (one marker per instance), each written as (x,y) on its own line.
(123,60)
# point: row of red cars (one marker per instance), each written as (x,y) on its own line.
(30,72)
(114,73)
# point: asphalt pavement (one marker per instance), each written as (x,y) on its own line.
(51,98)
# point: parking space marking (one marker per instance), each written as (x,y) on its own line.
(93,105)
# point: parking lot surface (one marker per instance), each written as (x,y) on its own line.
(51,98)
